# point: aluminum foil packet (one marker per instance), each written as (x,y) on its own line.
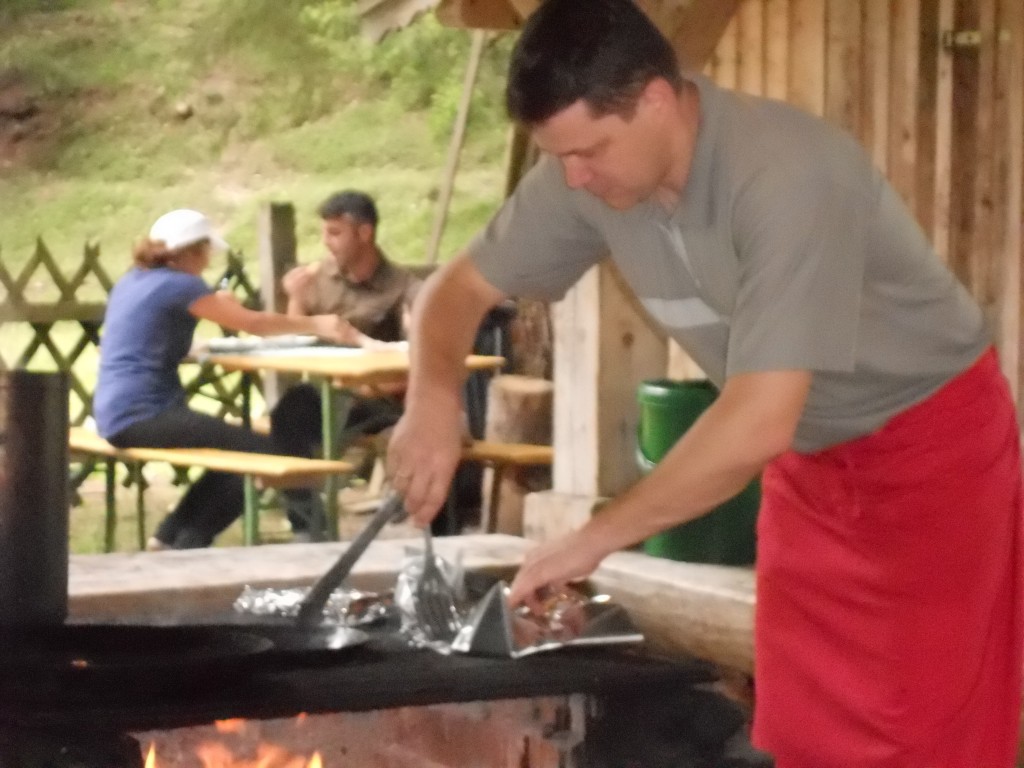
(347,607)
(489,626)
(409,605)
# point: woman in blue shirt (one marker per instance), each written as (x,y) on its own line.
(151,316)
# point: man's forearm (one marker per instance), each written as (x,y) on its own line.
(716,458)
(445,320)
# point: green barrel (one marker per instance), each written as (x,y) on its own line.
(726,535)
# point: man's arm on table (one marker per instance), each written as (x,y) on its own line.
(753,420)
(297,283)
(425,447)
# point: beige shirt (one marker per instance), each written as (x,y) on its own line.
(374,306)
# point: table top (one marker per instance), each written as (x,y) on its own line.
(347,366)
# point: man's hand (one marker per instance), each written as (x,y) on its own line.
(297,280)
(422,456)
(332,328)
(550,566)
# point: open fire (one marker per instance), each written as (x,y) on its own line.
(235,747)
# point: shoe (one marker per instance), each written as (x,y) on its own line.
(156,545)
(302,537)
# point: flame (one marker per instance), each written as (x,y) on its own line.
(233,725)
(216,755)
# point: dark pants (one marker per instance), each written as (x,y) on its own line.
(217,498)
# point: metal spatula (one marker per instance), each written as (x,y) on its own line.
(311,610)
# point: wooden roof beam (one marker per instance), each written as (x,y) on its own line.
(693,26)
(479,14)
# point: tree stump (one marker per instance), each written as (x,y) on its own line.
(519,410)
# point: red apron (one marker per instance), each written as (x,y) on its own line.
(889,585)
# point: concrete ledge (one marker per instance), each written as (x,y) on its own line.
(683,608)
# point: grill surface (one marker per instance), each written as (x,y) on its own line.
(382,673)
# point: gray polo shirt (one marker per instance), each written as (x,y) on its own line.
(787,251)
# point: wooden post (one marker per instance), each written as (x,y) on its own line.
(1008,137)
(276,249)
(1012,67)
(455,147)
(604,346)
(518,411)
(903,115)
(943,139)
(807,55)
(776,48)
(751,47)
(875,131)
(521,154)
(843,92)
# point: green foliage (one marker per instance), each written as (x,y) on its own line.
(12,9)
(285,100)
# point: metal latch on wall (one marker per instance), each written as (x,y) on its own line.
(965,39)
(953,40)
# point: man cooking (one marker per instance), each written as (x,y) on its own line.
(854,370)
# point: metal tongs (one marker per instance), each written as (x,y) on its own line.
(435,599)
(311,610)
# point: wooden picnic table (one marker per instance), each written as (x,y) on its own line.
(340,371)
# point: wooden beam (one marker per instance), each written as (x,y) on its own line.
(875,110)
(694,28)
(524,7)
(807,55)
(1012,20)
(725,61)
(605,345)
(451,166)
(943,139)
(776,48)
(277,246)
(478,14)
(903,108)
(751,49)
(986,253)
(843,89)
(52,313)
(927,96)
(1007,171)
(964,144)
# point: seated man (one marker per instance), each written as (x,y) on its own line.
(357,282)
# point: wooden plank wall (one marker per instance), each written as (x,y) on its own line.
(946,125)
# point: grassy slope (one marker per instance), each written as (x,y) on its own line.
(277,117)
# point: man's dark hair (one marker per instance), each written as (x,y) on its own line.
(358,205)
(601,51)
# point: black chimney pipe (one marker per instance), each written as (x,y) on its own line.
(33,497)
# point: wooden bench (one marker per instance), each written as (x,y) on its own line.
(272,470)
(501,457)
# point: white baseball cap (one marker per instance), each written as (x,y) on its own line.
(185,227)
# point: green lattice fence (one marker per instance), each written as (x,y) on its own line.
(50,320)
